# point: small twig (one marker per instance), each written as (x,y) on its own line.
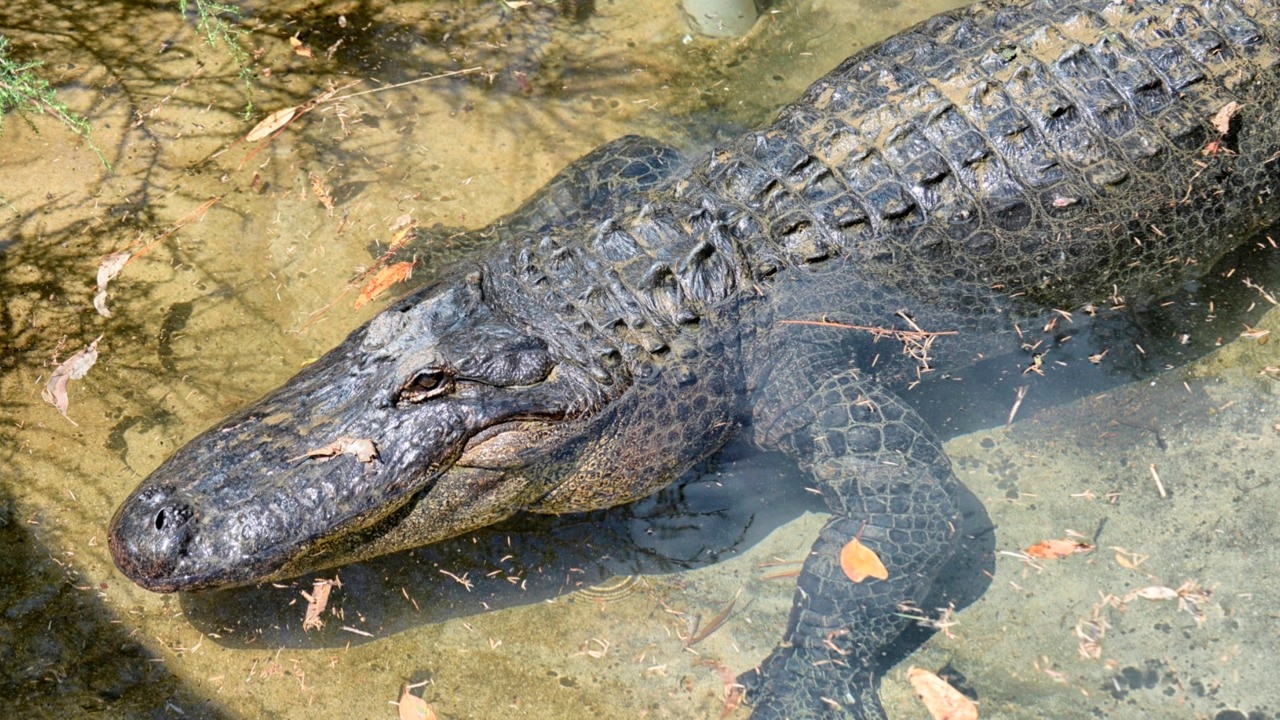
(1261,290)
(1159,485)
(453,73)
(1017,403)
(714,624)
(916,342)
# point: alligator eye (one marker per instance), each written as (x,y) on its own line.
(427,384)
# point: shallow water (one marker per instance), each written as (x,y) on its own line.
(530,619)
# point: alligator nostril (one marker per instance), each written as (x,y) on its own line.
(172,516)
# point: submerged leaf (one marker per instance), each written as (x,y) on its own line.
(413,707)
(1153,592)
(108,269)
(860,562)
(943,701)
(270,124)
(1057,549)
(73,368)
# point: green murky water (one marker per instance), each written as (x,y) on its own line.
(241,275)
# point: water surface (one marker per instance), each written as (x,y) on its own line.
(531,619)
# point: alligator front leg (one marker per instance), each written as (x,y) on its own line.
(884,476)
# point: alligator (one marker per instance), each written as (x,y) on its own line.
(984,167)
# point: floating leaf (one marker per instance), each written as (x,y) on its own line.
(943,701)
(413,707)
(1056,549)
(1222,119)
(73,368)
(860,562)
(270,124)
(385,278)
(363,449)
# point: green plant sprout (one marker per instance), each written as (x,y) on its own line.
(216,30)
(25,92)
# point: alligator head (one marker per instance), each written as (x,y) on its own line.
(416,428)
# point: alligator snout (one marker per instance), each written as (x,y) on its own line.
(149,536)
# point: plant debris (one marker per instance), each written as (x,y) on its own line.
(1222,119)
(317,601)
(1057,549)
(382,280)
(363,449)
(322,192)
(402,232)
(73,368)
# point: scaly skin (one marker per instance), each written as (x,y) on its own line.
(990,163)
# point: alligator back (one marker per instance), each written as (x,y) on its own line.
(1007,156)
(1056,152)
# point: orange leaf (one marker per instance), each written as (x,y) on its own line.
(1057,549)
(860,562)
(385,278)
(943,701)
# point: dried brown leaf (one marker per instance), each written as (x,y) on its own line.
(413,707)
(321,191)
(385,278)
(943,701)
(402,234)
(363,449)
(1222,119)
(299,48)
(73,368)
(270,124)
(108,269)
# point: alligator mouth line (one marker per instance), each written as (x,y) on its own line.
(504,445)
